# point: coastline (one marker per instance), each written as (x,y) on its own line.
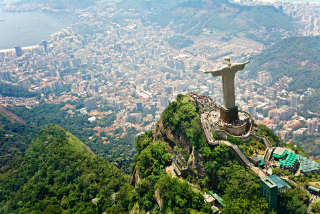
(23,48)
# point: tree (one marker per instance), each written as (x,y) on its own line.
(316,206)
(277,171)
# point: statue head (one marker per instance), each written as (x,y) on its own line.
(228,61)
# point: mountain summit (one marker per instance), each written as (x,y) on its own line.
(59,173)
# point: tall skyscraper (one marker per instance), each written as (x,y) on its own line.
(18,51)
(148,5)
(45,45)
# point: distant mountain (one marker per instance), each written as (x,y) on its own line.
(62,4)
(59,173)
(219,16)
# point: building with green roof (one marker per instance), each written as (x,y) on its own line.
(217,197)
(270,188)
(307,165)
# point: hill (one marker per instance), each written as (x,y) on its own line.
(59,173)
(222,17)
(239,186)
(14,141)
(296,57)
(119,150)
(13,117)
(8,90)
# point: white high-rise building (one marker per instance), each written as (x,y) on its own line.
(295,100)
(265,78)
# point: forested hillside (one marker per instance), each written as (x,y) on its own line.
(16,136)
(296,57)
(222,17)
(59,173)
(8,90)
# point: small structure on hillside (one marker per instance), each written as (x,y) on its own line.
(307,165)
(314,187)
(270,188)
(179,164)
(279,152)
(219,201)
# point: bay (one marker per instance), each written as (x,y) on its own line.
(30,28)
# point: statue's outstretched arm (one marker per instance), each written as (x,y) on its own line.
(216,72)
(239,66)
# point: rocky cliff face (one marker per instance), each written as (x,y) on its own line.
(135,178)
(177,138)
(173,139)
(195,168)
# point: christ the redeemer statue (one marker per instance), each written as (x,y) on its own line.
(228,73)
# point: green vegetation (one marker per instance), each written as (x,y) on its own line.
(239,186)
(235,140)
(312,103)
(9,90)
(241,190)
(59,174)
(117,150)
(296,149)
(237,20)
(315,207)
(265,131)
(249,148)
(182,117)
(177,196)
(277,171)
(179,42)
(215,136)
(152,160)
(310,143)
(294,200)
(252,147)
(295,57)
(84,29)
(14,140)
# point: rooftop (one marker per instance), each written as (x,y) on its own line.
(275,180)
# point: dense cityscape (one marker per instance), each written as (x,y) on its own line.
(133,68)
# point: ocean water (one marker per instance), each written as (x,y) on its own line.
(30,28)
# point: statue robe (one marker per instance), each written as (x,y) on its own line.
(228,73)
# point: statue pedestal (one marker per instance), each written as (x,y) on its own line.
(229,115)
